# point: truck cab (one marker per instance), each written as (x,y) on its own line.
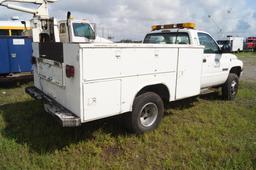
(216,63)
(79,31)
(76,31)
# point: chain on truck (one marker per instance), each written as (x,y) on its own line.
(82,80)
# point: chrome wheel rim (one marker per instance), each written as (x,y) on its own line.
(234,87)
(148,114)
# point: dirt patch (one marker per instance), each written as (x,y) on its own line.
(111,151)
(249,73)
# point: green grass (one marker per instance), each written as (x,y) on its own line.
(246,54)
(207,133)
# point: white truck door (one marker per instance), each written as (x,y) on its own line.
(212,72)
(188,72)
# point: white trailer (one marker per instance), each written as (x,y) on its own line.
(237,44)
(232,44)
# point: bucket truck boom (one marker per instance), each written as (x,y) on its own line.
(41,20)
(48,29)
(41,11)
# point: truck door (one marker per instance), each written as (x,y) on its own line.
(4,57)
(211,67)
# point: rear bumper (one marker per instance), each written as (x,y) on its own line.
(63,115)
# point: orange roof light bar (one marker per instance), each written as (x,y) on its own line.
(174,26)
(14,28)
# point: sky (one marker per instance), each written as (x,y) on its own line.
(132,19)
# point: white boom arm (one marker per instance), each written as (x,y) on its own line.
(41,11)
(40,15)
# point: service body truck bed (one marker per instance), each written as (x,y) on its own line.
(108,77)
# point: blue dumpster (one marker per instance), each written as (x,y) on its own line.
(15,55)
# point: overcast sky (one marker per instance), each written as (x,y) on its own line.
(132,19)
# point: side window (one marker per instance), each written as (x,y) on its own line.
(83,30)
(62,28)
(182,38)
(209,43)
(17,32)
(155,39)
(167,38)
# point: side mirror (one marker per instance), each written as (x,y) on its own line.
(24,23)
(92,36)
(226,48)
(94,31)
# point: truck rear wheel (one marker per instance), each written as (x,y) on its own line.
(230,88)
(148,110)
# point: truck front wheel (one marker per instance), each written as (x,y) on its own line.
(148,110)
(230,88)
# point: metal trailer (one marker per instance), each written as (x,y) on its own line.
(15,55)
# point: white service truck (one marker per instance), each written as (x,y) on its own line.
(81,82)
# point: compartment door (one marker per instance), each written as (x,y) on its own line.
(51,71)
(189,72)
(101,99)
(4,57)
(20,52)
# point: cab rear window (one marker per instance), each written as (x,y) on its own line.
(17,32)
(167,38)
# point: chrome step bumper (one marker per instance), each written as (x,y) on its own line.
(63,115)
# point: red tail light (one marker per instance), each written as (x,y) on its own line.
(70,71)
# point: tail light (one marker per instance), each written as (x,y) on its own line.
(33,60)
(70,71)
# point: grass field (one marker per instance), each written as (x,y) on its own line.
(205,133)
(246,54)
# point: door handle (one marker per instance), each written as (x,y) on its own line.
(204,60)
(118,54)
(217,60)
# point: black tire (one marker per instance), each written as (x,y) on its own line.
(230,88)
(148,111)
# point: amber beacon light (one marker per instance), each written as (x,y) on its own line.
(174,26)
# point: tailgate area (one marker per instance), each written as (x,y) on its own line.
(51,71)
(51,82)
